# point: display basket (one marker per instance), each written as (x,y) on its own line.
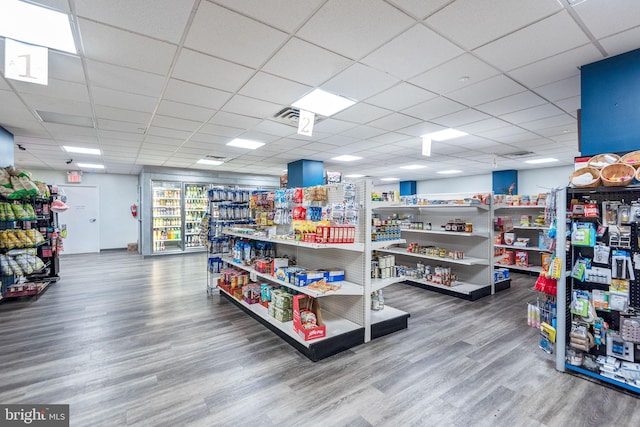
(595,174)
(617,175)
(601,160)
(631,159)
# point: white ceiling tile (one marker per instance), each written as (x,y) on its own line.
(400,56)
(354,28)
(189,93)
(184,111)
(305,63)
(482,126)
(119,114)
(487,90)
(124,79)
(332,126)
(363,132)
(401,96)
(125,100)
(560,90)
(556,68)
(258,136)
(209,139)
(64,67)
(124,48)
(361,113)
(420,129)
(436,107)
(519,101)
(56,105)
(606,18)
(394,122)
(275,89)
(274,128)
(543,39)
(359,82)
(271,12)
(390,138)
(570,105)
(220,130)
(462,71)
(252,107)
(116,125)
(563,121)
(473,23)
(622,42)
(125,137)
(420,8)
(175,123)
(206,70)
(214,31)
(461,118)
(72,133)
(161,19)
(61,89)
(530,114)
(168,133)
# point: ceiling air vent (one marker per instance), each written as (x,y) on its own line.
(290,116)
(212,157)
(65,119)
(518,154)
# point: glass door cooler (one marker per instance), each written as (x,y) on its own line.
(166,216)
(195,209)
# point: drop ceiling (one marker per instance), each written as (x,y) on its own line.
(169,82)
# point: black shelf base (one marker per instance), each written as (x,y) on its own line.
(472,296)
(502,285)
(317,350)
(389,326)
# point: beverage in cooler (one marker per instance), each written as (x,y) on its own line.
(167,216)
(195,208)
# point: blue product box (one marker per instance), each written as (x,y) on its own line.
(334,275)
(307,277)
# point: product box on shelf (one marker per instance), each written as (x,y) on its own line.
(522,258)
(277,263)
(500,274)
(265,294)
(279,313)
(307,318)
(281,299)
(251,293)
(308,277)
(503,223)
(508,258)
(334,275)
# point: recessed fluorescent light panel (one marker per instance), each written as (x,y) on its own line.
(323,103)
(209,162)
(443,135)
(449,172)
(82,150)
(90,166)
(354,175)
(245,143)
(389,179)
(538,161)
(37,25)
(411,167)
(346,158)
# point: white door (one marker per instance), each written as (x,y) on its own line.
(81,220)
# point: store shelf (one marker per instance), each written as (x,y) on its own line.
(166,216)
(342,334)
(433,206)
(524,248)
(167,240)
(357,247)
(538,207)
(464,261)
(468,291)
(603,378)
(346,288)
(530,269)
(386,205)
(533,227)
(446,233)
(377,284)
(387,321)
(379,244)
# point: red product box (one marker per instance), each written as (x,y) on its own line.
(302,304)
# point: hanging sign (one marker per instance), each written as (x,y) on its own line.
(305,122)
(26,62)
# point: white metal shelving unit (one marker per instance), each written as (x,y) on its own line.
(531,232)
(346,311)
(475,270)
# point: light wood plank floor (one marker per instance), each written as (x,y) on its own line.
(132,341)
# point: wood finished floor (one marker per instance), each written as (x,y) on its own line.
(132,341)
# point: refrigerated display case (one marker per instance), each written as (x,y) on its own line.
(195,209)
(167,216)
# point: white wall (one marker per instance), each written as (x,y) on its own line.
(460,184)
(117,194)
(534,181)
